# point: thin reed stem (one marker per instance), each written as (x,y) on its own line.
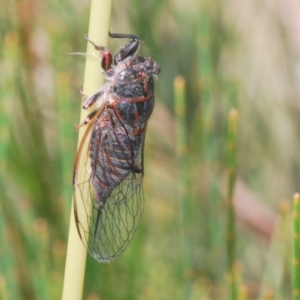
(67,137)
(183,179)
(243,292)
(268,294)
(231,235)
(76,253)
(296,248)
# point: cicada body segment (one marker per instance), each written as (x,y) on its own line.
(111,187)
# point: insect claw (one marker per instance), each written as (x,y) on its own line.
(96,46)
(79,125)
(82,93)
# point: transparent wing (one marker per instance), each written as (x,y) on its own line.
(108,186)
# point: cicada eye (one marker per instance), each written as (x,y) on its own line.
(156,68)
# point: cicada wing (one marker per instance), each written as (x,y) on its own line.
(113,226)
(113,181)
(82,190)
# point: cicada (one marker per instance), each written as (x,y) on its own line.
(110,188)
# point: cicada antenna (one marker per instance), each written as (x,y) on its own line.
(162,47)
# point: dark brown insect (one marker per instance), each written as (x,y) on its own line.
(115,136)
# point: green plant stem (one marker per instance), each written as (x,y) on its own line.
(76,253)
(8,276)
(243,293)
(296,255)
(183,179)
(269,294)
(231,165)
(67,136)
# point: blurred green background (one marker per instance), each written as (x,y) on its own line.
(231,54)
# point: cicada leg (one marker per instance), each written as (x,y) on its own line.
(87,119)
(106,57)
(89,101)
(129,49)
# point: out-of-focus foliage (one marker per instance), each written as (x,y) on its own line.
(242,54)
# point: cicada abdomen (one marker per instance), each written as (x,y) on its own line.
(113,177)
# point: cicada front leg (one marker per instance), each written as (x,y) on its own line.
(106,56)
(129,49)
